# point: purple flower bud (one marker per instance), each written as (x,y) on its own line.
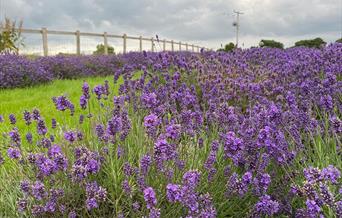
(27,117)
(41,128)
(29,137)
(53,123)
(85,90)
(12,119)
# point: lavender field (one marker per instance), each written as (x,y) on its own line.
(249,133)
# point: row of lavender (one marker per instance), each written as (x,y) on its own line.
(197,135)
(21,71)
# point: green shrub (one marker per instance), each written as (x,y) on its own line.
(311,43)
(271,44)
(10,37)
(100,49)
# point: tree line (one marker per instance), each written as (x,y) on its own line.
(269,43)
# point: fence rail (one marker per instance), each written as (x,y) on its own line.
(44,32)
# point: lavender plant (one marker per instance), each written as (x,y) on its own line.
(251,133)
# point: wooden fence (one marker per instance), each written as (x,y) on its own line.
(105,37)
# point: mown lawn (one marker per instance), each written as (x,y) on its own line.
(15,101)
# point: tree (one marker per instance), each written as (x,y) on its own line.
(10,37)
(271,44)
(339,40)
(311,43)
(100,49)
(228,47)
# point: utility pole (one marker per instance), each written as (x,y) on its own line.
(237,25)
(1,5)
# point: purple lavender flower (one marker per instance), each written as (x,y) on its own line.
(312,174)
(95,194)
(126,187)
(266,206)
(331,173)
(173,193)
(83,102)
(136,206)
(22,205)
(327,102)
(13,153)
(38,190)
(98,90)
(61,103)
(154,213)
(70,136)
(312,208)
(200,142)
(45,142)
(87,162)
(41,128)
(150,197)
(92,166)
(119,151)
(12,119)
(85,90)
(99,129)
(173,131)
(29,137)
(149,100)
(15,137)
(145,163)
(339,208)
(52,138)
(72,214)
(80,136)
(127,169)
(151,123)
(25,186)
(91,203)
(27,117)
(81,119)
(261,183)
(53,123)
(191,178)
(247,177)
(35,114)
(1,119)
(106,89)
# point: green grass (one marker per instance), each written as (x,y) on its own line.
(15,101)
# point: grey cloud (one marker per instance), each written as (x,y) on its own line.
(187,20)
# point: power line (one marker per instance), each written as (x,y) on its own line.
(237,25)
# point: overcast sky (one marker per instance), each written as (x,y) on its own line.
(205,22)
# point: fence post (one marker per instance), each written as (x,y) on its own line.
(78,42)
(164,45)
(124,43)
(152,44)
(140,43)
(180,46)
(186,46)
(172,48)
(105,42)
(45,42)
